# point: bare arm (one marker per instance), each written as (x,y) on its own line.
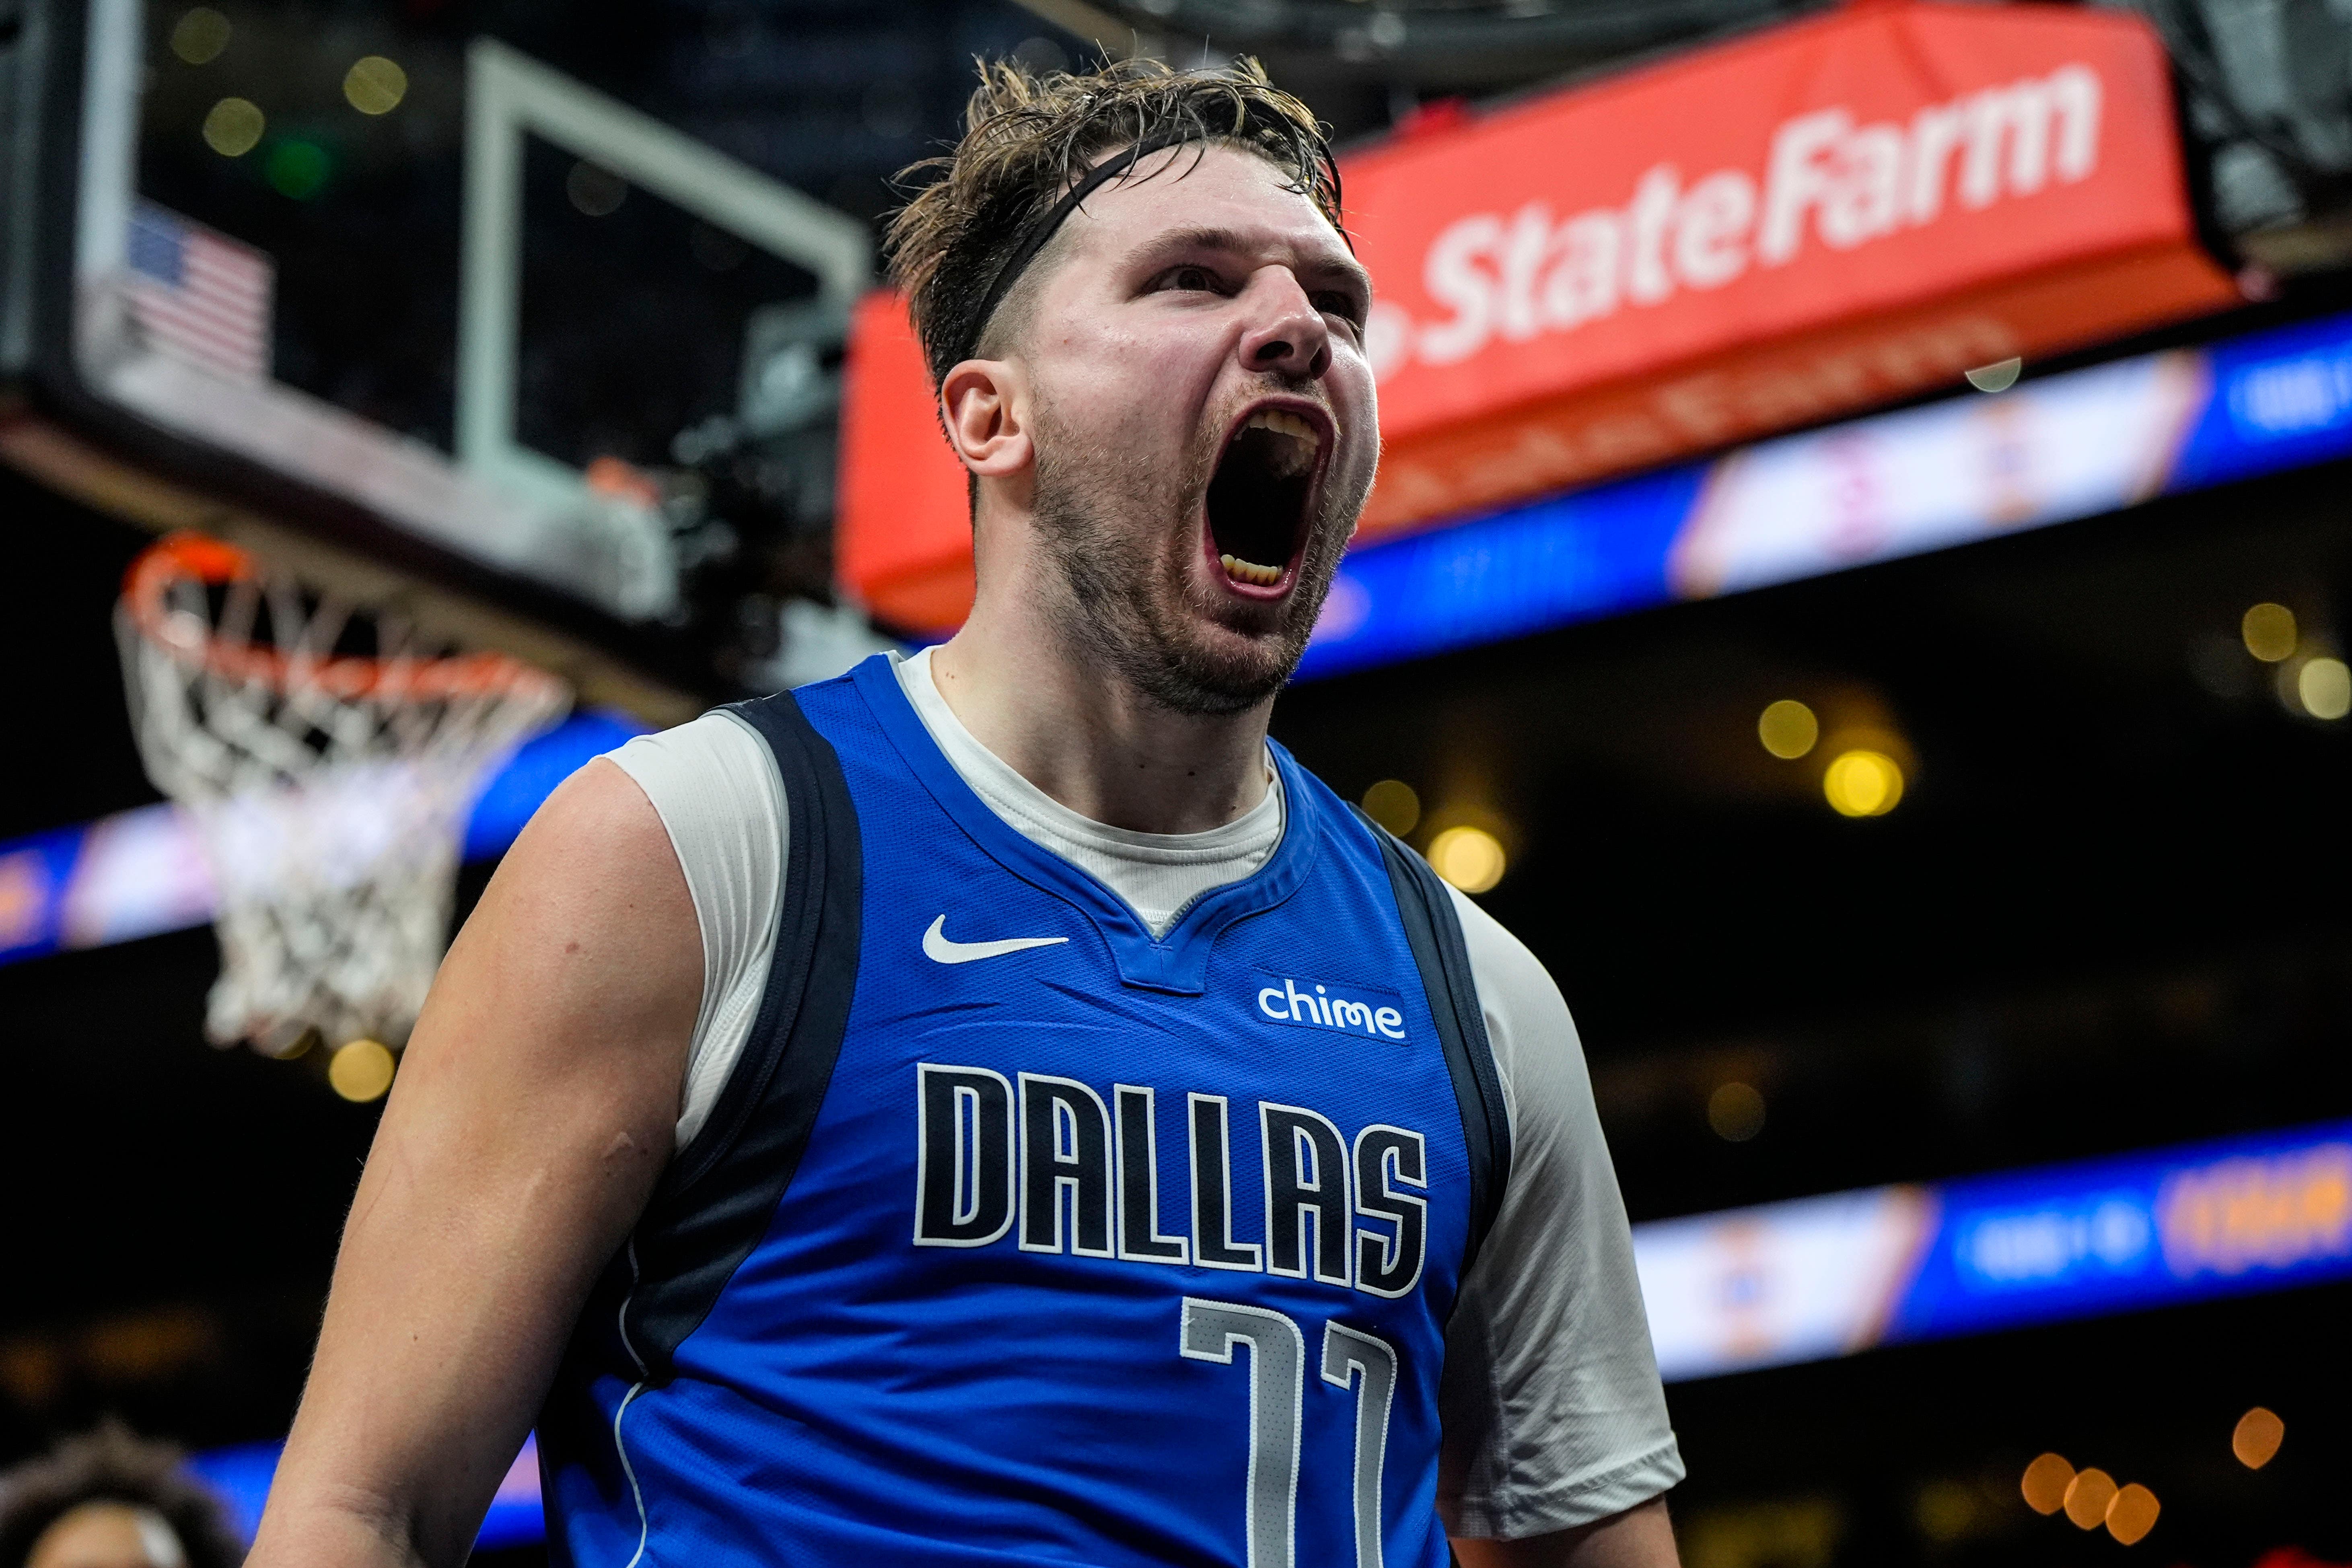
(533,1113)
(1641,1537)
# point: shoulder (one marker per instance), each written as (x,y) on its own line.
(714,763)
(1524,1009)
(1538,1055)
(1509,976)
(588,903)
(1529,1033)
(714,785)
(597,834)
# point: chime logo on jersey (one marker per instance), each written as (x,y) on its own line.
(1054,1162)
(1350,1009)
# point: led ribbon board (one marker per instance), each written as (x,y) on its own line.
(2070,446)
(2048,451)
(1830,1276)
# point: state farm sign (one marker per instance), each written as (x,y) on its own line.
(1825,176)
(1827,215)
(1820,217)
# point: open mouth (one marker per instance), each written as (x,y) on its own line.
(1258,498)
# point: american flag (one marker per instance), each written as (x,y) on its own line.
(200,296)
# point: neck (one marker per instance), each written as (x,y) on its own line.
(1089,738)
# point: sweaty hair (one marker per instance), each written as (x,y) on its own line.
(1028,140)
(110,1465)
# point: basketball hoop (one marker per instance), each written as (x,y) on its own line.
(327,763)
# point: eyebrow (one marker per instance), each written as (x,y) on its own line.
(1323,268)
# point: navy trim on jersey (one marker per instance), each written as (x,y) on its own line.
(722,1189)
(1434,931)
(1176,962)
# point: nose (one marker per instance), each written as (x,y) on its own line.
(1287,335)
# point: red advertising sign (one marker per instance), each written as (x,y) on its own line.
(1835,214)
(902,527)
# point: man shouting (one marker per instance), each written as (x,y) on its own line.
(996,1108)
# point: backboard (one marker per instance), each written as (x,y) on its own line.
(440,306)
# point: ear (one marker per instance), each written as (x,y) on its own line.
(985,404)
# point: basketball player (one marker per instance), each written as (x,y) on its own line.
(994,1108)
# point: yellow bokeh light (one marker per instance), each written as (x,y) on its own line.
(1946,1512)
(234,127)
(2088,1497)
(1735,1112)
(2269,631)
(362,1070)
(200,35)
(1788,728)
(1469,857)
(2045,1483)
(2324,686)
(1863,783)
(2256,1439)
(375,85)
(1392,804)
(2131,1514)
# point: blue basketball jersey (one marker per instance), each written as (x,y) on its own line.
(1021,1236)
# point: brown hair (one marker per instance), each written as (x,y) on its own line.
(1029,139)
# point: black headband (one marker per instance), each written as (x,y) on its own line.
(1043,227)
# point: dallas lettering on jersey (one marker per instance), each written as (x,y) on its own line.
(1050,1160)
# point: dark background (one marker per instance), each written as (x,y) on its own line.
(2107,914)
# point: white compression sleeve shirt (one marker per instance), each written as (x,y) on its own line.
(1552,1409)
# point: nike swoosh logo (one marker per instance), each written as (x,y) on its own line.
(939,950)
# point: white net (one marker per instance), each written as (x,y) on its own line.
(330,788)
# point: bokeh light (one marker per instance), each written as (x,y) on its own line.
(2131,1513)
(2045,1483)
(1469,857)
(1863,783)
(375,85)
(1946,1511)
(2255,1439)
(1042,55)
(360,1071)
(298,169)
(1735,1112)
(2269,632)
(598,191)
(2088,1497)
(1392,804)
(199,37)
(1998,376)
(234,127)
(1788,728)
(2324,687)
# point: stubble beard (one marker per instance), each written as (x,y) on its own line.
(1122,541)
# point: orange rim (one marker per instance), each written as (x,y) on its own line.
(185,556)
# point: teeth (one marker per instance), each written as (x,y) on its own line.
(1242,570)
(1284,423)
